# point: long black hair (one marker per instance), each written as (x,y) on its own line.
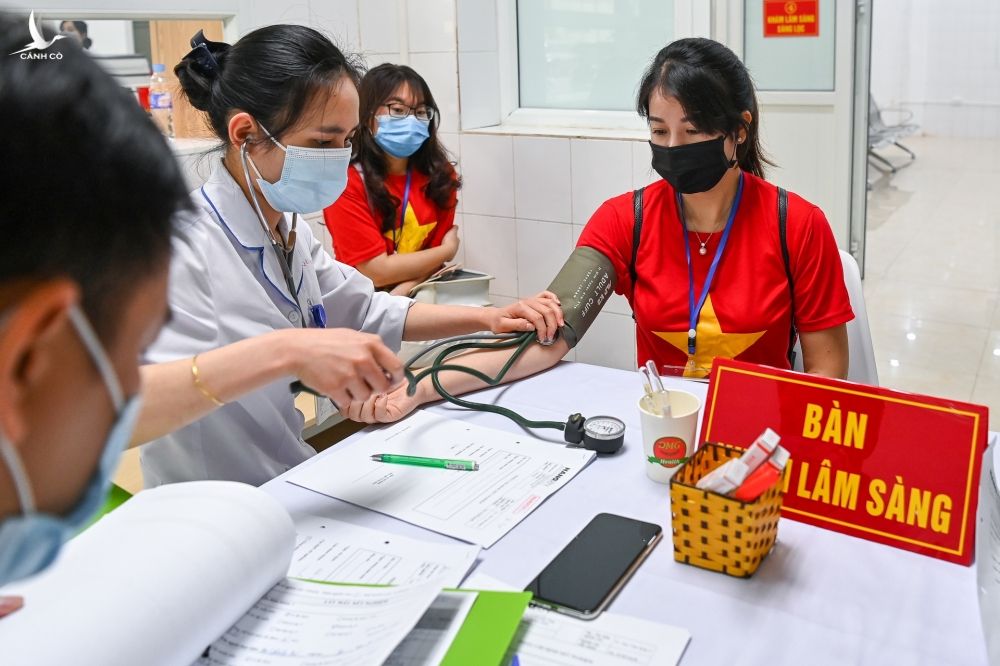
(271,73)
(431,159)
(714,87)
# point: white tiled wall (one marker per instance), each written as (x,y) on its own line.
(481,93)
(491,246)
(381,25)
(452,143)
(542,179)
(478,61)
(601,169)
(431,26)
(477,25)
(338,19)
(374,58)
(610,341)
(440,70)
(542,247)
(487,167)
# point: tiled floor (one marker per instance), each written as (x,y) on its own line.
(932,272)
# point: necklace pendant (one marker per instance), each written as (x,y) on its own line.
(702,250)
(690,368)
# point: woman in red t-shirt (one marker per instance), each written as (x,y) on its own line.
(710,274)
(395,220)
(710,277)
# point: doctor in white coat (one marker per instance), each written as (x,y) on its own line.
(255,300)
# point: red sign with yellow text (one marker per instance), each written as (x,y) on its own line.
(788,18)
(892,467)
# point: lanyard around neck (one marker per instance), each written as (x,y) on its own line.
(402,209)
(695,308)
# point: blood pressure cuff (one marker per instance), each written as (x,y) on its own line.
(583,286)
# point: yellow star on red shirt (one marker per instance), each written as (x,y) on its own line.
(412,235)
(712,341)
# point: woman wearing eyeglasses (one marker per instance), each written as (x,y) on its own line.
(395,220)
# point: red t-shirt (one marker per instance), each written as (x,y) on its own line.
(747,313)
(358,236)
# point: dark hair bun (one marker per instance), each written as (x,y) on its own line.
(197,87)
(270,73)
(200,68)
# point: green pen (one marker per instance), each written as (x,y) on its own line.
(441,463)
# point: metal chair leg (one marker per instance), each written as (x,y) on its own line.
(906,150)
(888,165)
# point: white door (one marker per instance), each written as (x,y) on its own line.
(806,79)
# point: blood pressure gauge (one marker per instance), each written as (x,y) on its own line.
(604,434)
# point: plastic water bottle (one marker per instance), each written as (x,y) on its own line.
(160,101)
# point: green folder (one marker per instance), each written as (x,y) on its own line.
(116,497)
(488,629)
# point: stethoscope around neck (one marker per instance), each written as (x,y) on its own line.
(283,250)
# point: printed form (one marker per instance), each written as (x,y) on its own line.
(298,622)
(516,473)
(547,638)
(339,552)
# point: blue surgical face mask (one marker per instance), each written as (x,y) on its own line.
(30,542)
(401,137)
(311,178)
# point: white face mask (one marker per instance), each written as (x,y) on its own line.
(29,542)
(311,178)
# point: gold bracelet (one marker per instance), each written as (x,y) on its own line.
(201,387)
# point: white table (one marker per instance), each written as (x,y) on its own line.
(819,597)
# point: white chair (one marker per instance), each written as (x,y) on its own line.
(859,336)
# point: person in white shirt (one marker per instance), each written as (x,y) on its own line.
(255,299)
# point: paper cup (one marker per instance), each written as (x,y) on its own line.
(670,439)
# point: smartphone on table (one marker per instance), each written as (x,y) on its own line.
(587,574)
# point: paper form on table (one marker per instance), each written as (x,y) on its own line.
(306,622)
(332,550)
(516,474)
(547,638)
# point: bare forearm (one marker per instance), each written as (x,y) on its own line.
(171,400)
(826,352)
(535,358)
(429,322)
(388,269)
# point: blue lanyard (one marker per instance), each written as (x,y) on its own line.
(695,310)
(402,209)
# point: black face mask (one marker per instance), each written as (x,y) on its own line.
(693,167)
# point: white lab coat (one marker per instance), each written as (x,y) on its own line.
(226,285)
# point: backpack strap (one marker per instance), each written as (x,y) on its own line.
(636,237)
(783,235)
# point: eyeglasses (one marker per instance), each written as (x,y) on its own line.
(423,113)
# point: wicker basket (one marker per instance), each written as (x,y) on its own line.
(716,532)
